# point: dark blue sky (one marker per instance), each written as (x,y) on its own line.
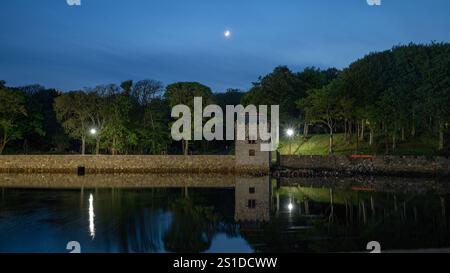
(107,41)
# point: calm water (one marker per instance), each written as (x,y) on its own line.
(220,214)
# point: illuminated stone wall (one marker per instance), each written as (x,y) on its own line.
(412,165)
(118,164)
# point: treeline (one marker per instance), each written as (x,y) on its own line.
(387,97)
(383,98)
(130,118)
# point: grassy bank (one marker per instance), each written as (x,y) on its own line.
(318,145)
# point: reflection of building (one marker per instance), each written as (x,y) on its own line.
(252,199)
(252,194)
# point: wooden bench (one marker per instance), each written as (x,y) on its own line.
(351,157)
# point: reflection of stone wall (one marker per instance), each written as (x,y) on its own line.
(379,165)
(247,188)
(65,181)
(125,164)
(252,199)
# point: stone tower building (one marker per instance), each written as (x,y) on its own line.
(250,157)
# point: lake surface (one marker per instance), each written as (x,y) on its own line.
(150,213)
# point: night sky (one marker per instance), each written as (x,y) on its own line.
(108,41)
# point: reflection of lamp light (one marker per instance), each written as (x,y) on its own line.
(91,216)
(290,207)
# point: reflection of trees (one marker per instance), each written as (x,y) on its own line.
(192,228)
(197,217)
(396,220)
(149,220)
(135,218)
(272,237)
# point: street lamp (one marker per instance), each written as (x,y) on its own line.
(290,133)
(94,133)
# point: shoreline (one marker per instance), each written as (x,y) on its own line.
(286,166)
(131,164)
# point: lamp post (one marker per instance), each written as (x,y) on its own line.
(290,133)
(93,133)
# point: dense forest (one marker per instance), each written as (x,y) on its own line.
(382,99)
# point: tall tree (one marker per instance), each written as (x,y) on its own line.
(127,86)
(98,101)
(12,108)
(322,106)
(41,124)
(73,111)
(119,132)
(146,90)
(230,97)
(281,87)
(184,93)
(147,94)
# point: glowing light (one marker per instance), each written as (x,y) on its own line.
(227,34)
(290,132)
(93,131)
(91,216)
(290,207)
